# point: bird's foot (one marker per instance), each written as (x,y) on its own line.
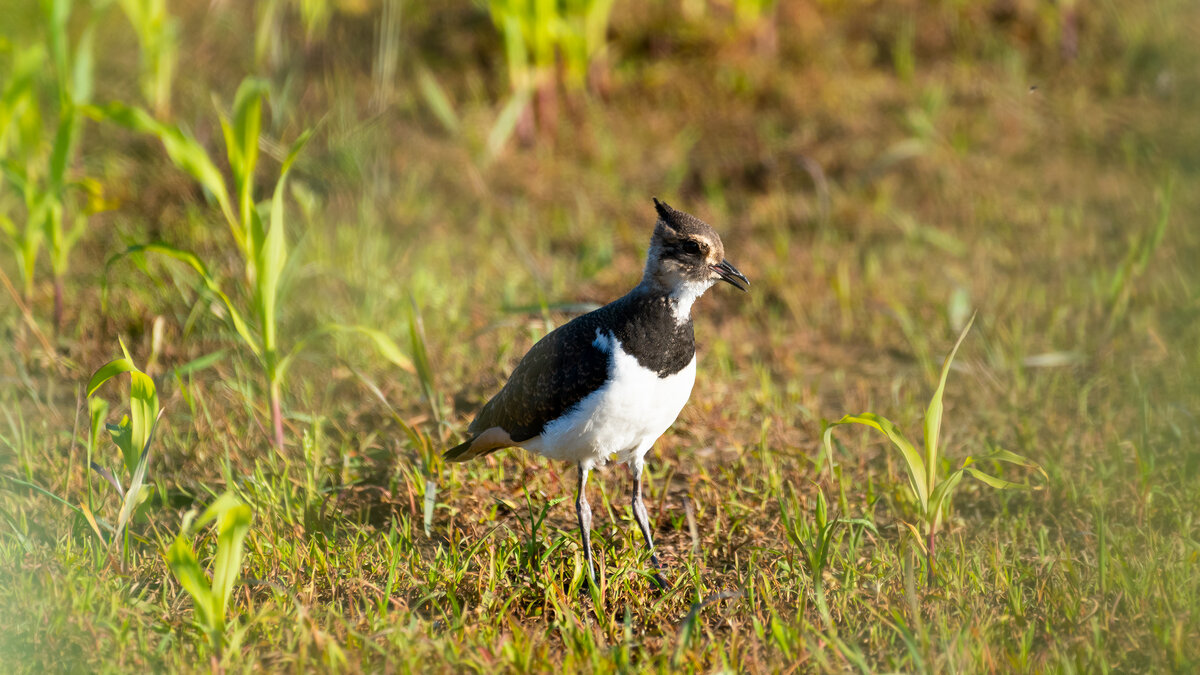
(657,576)
(659,580)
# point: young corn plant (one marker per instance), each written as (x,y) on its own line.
(211,597)
(21,133)
(68,203)
(158,39)
(258,230)
(931,491)
(538,35)
(55,207)
(132,436)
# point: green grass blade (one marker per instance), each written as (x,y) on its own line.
(437,100)
(506,124)
(219,506)
(933,415)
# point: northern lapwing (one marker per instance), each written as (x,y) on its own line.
(608,383)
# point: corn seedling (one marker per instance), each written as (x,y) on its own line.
(55,208)
(538,35)
(158,38)
(132,436)
(932,492)
(259,230)
(20,133)
(583,35)
(67,204)
(211,597)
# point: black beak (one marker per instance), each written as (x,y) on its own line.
(729,273)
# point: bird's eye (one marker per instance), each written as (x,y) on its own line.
(690,247)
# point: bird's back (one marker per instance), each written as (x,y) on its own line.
(576,359)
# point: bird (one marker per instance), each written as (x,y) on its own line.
(609,383)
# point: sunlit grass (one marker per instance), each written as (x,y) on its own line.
(879,174)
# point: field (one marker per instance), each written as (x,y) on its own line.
(324,232)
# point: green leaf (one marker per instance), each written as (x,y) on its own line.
(1002,455)
(134,495)
(998,483)
(57,13)
(184,151)
(201,363)
(383,344)
(182,561)
(916,466)
(84,66)
(196,264)
(294,152)
(933,415)
(97,412)
(64,146)
(233,524)
(107,372)
(273,254)
(122,437)
(941,496)
(143,407)
(241,142)
(143,411)
(25,69)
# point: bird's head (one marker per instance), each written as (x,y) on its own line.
(686,255)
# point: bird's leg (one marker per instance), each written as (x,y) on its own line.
(643,521)
(584,511)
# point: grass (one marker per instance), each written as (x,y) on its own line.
(880,174)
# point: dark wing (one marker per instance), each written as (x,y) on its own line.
(556,374)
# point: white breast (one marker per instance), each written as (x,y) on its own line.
(624,417)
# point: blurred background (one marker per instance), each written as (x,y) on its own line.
(463,175)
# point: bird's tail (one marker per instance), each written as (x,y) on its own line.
(470,450)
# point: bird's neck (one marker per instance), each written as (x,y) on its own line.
(679,292)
